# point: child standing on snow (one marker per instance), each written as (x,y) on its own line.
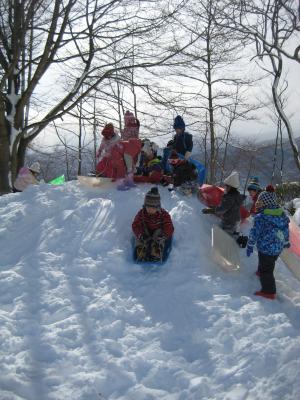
(271,234)
(27,176)
(254,190)
(229,209)
(153,229)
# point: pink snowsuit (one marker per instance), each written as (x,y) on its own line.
(118,158)
(25,178)
(131,126)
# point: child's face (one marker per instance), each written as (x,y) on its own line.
(178,131)
(252,193)
(258,205)
(151,210)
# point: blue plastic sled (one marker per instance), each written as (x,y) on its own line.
(167,251)
(200,168)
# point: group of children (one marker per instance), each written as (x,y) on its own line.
(136,160)
(152,226)
(270,231)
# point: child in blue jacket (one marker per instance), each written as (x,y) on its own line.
(270,232)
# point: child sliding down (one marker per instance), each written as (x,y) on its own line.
(153,229)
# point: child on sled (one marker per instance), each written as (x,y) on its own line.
(153,229)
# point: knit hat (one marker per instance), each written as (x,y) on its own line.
(152,198)
(108,131)
(179,123)
(233,180)
(254,184)
(130,120)
(268,198)
(35,167)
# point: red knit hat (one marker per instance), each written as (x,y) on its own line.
(108,131)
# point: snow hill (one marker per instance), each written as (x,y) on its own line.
(80,321)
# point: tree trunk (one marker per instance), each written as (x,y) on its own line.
(212,177)
(278,71)
(4,151)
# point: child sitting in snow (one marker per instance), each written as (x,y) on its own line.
(184,174)
(27,176)
(149,164)
(153,229)
(229,209)
(270,232)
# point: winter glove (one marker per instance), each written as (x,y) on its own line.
(242,241)
(287,245)
(249,250)
(187,155)
(208,210)
(144,237)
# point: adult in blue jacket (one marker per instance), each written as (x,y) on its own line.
(270,233)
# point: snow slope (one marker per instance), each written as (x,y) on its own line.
(80,321)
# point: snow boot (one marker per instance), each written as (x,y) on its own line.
(155,252)
(270,296)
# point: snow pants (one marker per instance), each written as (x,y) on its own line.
(266,265)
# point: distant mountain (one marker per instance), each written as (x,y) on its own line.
(262,159)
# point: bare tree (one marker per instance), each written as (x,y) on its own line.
(70,44)
(214,78)
(273,26)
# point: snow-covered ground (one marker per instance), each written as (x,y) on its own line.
(296,205)
(80,321)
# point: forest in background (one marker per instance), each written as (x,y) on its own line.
(68,67)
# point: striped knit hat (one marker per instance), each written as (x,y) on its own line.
(268,198)
(152,198)
(254,184)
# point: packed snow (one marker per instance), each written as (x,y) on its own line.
(81,321)
(296,205)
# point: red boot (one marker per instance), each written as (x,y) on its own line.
(270,296)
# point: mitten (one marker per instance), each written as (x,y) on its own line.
(249,250)
(287,245)
(144,237)
(242,241)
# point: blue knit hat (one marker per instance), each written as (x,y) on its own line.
(179,123)
(254,184)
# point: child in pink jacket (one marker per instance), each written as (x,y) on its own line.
(26,177)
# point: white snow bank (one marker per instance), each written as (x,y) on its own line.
(80,321)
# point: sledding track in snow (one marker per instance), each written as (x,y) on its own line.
(79,320)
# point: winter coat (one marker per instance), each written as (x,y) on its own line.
(229,209)
(270,231)
(147,166)
(118,158)
(146,224)
(184,172)
(25,178)
(252,209)
(183,142)
(106,146)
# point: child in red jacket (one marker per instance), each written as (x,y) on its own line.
(153,229)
